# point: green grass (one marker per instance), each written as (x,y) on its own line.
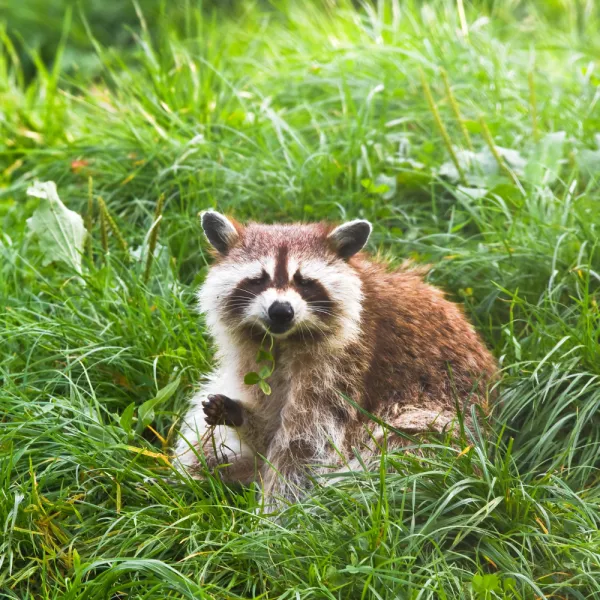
(290,112)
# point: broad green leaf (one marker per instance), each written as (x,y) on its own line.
(589,160)
(413,180)
(481,168)
(263,355)
(146,410)
(386,186)
(374,187)
(264,372)
(483,584)
(543,166)
(251,378)
(513,159)
(76,559)
(5,205)
(127,417)
(509,583)
(467,195)
(60,231)
(265,387)
(476,166)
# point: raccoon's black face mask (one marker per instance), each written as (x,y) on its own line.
(289,280)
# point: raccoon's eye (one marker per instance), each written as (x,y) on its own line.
(301,281)
(259,279)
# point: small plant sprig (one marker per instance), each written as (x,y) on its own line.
(106,219)
(266,362)
(103,228)
(489,140)
(441,127)
(456,110)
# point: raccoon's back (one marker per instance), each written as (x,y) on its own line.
(423,349)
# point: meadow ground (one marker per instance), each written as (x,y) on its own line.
(284,112)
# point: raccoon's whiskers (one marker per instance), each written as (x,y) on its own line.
(237,304)
(310,332)
(301,328)
(323,312)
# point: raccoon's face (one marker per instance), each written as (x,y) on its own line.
(293,281)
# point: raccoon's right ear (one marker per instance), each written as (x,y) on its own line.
(349,238)
(219,230)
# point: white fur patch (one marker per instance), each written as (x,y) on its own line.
(194,432)
(292,267)
(268,263)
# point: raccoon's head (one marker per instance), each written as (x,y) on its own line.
(296,282)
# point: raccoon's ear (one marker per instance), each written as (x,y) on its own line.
(349,238)
(219,230)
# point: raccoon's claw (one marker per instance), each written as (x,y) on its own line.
(221,410)
(214,410)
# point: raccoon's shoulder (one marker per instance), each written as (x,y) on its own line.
(382,278)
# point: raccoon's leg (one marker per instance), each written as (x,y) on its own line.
(307,443)
(235,438)
(418,420)
(202,442)
(411,420)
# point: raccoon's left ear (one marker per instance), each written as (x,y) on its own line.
(219,230)
(349,238)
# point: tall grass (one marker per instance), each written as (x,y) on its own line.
(285,112)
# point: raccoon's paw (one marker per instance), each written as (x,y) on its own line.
(221,410)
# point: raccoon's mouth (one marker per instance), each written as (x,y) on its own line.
(277,328)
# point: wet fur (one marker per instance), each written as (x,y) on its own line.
(387,340)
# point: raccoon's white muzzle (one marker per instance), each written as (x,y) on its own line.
(277,311)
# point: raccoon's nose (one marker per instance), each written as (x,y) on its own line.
(281,313)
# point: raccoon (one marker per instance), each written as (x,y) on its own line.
(350,338)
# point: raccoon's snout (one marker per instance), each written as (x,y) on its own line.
(281,315)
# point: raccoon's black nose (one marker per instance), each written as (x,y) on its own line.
(281,314)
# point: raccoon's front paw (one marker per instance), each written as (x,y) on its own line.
(221,410)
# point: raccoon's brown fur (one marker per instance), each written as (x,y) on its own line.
(387,341)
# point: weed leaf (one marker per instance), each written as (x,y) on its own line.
(127,417)
(589,160)
(264,387)
(264,372)
(146,410)
(251,378)
(543,166)
(481,168)
(61,231)
(484,584)
(263,355)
